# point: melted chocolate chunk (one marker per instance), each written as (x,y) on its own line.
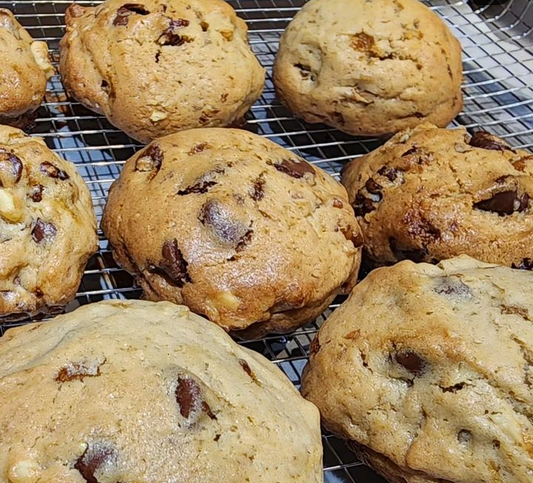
(173,264)
(373,187)
(199,188)
(207,410)
(410,152)
(124,12)
(315,347)
(390,173)
(411,361)
(257,192)
(13,165)
(77,371)
(43,231)
(353,235)
(296,168)
(244,241)
(525,264)
(52,171)
(504,203)
(485,140)
(171,36)
(363,205)
(246,367)
(453,286)
(150,161)
(337,203)
(214,215)
(198,148)
(188,396)
(93,459)
(36,193)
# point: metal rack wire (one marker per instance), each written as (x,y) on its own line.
(498,66)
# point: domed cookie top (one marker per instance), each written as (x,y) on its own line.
(431,194)
(157,67)
(235,227)
(369,68)
(139,392)
(47,227)
(428,370)
(24,72)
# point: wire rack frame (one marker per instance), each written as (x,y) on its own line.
(498,71)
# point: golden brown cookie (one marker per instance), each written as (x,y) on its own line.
(157,67)
(429,194)
(138,392)
(24,70)
(235,227)
(369,68)
(428,372)
(47,227)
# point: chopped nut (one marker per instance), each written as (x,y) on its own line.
(8,207)
(158,116)
(24,471)
(227,299)
(40,54)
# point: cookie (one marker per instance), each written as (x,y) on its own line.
(139,392)
(428,371)
(369,68)
(235,227)
(430,194)
(47,227)
(157,67)
(24,72)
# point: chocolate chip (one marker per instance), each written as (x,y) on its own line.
(373,187)
(363,205)
(77,371)
(150,160)
(43,231)
(410,152)
(453,389)
(453,286)
(52,171)
(337,203)
(296,168)
(207,410)
(124,12)
(411,361)
(93,459)
(173,264)
(246,367)
(257,192)
(244,241)
(36,193)
(353,235)
(12,164)
(171,36)
(215,215)
(525,264)
(504,203)
(315,347)
(416,255)
(198,148)
(199,188)
(390,173)
(485,140)
(188,396)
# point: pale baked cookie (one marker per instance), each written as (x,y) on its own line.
(47,227)
(235,227)
(369,68)
(157,67)
(139,392)
(429,194)
(428,371)
(24,70)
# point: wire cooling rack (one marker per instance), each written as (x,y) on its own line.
(498,65)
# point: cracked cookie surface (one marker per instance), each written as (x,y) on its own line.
(235,227)
(430,194)
(369,68)
(428,371)
(157,67)
(25,70)
(139,392)
(47,227)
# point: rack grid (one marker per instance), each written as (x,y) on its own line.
(498,71)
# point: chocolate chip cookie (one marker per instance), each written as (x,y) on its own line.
(139,392)
(429,194)
(157,67)
(369,68)
(427,371)
(24,70)
(47,227)
(235,227)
